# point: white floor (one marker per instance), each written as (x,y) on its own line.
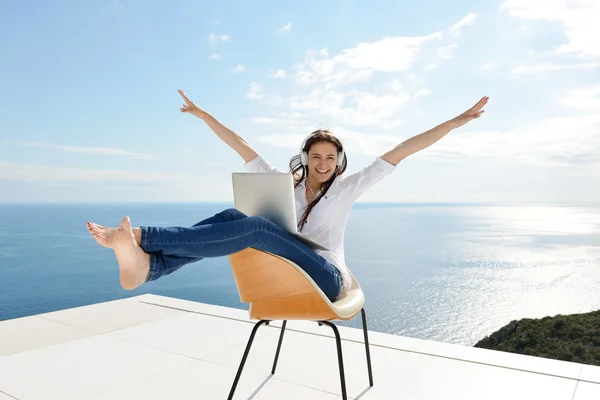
(152,347)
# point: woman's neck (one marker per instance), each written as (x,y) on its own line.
(314,187)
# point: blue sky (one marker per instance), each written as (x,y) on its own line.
(89,109)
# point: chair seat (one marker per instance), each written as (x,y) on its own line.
(349,303)
(278,289)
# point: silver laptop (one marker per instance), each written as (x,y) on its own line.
(270,195)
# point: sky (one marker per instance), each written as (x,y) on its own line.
(89,109)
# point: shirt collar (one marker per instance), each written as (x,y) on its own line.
(301,184)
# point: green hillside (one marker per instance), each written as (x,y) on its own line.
(573,338)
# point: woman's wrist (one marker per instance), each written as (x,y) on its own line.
(203,115)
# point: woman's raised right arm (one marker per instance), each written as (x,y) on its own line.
(235,141)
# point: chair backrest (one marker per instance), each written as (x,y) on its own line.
(260,275)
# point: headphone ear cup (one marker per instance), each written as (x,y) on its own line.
(340,159)
(303,158)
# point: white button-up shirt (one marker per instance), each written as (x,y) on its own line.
(327,221)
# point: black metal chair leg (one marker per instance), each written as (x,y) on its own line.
(241,367)
(338,343)
(364,323)
(278,347)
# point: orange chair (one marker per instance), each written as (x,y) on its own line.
(278,289)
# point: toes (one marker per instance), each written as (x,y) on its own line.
(102,240)
(93,227)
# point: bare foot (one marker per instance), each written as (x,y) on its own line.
(103,234)
(134,263)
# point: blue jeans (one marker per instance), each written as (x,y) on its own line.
(228,232)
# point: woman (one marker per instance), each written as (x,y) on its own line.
(324,198)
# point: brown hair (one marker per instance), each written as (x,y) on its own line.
(299,171)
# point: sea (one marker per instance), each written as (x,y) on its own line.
(452,273)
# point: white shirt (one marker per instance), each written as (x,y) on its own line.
(327,221)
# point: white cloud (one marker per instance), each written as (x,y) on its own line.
(264,120)
(286,28)
(239,68)
(40,173)
(560,140)
(107,151)
(556,141)
(325,81)
(214,38)
(255,91)
(284,123)
(319,100)
(352,107)
(578,17)
(587,98)
(372,109)
(431,66)
(422,92)
(284,141)
(214,56)
(469,19)
(447,51)
(388,55)
(280,73)
(540,69)
(395,85)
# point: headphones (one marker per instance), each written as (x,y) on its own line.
(304,154)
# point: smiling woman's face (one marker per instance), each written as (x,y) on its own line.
(322,160)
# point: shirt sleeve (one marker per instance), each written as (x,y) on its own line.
(259,164)
(359,182)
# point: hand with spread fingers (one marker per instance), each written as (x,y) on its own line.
(472,113)
(190,107)
(235,141)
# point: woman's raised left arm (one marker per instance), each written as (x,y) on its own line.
(426,139)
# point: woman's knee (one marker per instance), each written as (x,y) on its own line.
(259,226)
(232,214)
(258,221)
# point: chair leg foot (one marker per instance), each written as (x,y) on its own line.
(241,367)
(364,323)
(338,342)
(278,347)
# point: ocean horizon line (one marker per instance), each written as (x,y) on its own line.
(358,203)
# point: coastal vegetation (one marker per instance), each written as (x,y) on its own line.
(574,337)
